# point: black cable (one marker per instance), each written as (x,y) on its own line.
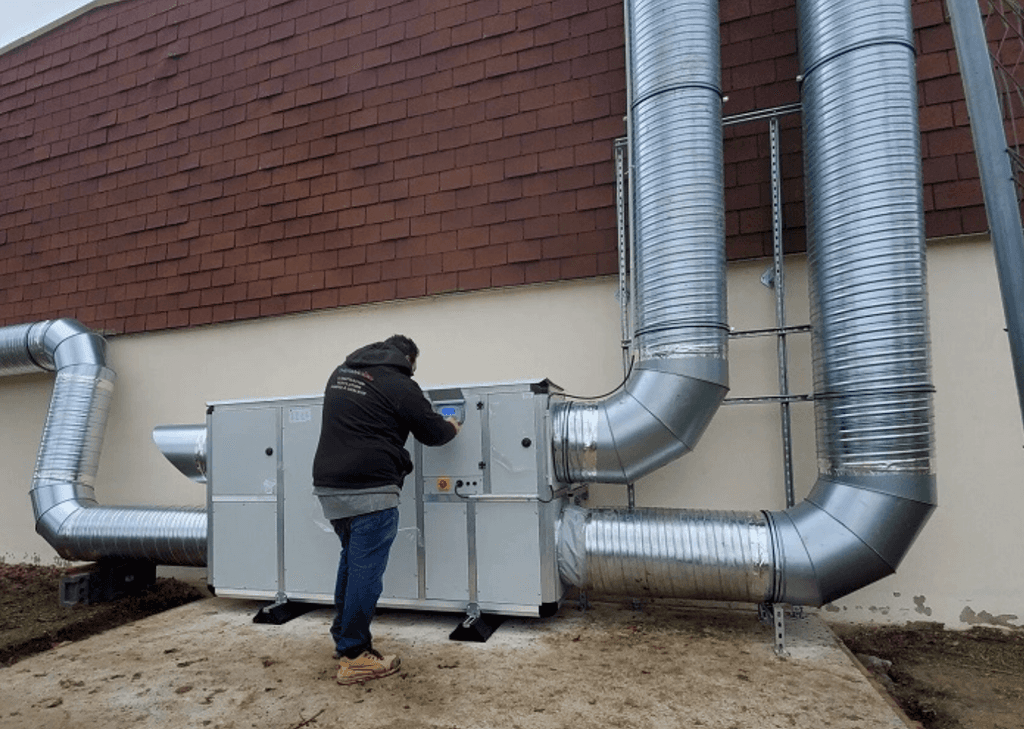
(618,387)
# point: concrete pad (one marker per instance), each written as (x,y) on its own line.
(668,664)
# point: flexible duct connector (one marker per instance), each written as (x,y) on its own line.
(681,336)
(719,555)
(873,393)
(63,499)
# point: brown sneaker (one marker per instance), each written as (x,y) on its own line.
(369,665)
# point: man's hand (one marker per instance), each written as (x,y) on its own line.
(455,422)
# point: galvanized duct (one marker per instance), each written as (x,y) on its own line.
(681,374)
(873,392)
(866,258)
(185,447)
(63,500)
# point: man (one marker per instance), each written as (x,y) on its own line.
(371,405)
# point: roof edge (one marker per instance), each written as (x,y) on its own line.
(64,19)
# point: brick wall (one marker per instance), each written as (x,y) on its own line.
(169,166)
(174,166)
(759,69)
(952,192)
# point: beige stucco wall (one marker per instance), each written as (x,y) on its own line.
(963,568)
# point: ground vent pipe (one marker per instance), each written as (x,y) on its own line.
(63,499)
(873,394)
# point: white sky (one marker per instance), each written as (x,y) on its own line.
(18,18)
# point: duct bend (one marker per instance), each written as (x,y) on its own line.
(63,500)
(678,222)
(873,394)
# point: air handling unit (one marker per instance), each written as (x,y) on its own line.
(477,518)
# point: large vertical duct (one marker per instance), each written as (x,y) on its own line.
(681,336)
(873,392)
(63,498)
(866,259)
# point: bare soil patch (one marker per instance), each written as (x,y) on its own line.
(946,679)
(33,620)
(942,679)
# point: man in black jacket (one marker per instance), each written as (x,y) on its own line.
(371,405)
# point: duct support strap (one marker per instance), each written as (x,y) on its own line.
(63,498)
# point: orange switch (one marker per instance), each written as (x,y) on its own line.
(444,484)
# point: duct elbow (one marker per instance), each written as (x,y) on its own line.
(63,496)
(52,518)
(59,343)
(850,532)
(656,417)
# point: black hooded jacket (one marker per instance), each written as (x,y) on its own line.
(371,405)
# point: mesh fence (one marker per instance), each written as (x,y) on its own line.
(1004,30)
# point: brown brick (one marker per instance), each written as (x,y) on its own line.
(942,90)
(957,194)
(939,169)
(935,116)
(935,38)
(512,275)
(541,271)
(474,279)
(442,283)
(294,138)
(943,223)
(948,141)
(577,267)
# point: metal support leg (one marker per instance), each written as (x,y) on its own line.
(775,613)
(779,623)
(476,627)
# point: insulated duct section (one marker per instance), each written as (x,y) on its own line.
(680,375)
(873,394)
(63,499)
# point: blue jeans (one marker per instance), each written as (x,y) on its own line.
(365,544)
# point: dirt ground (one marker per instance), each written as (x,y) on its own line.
(205,664)
(947,679)
(32,619)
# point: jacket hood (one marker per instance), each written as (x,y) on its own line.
(376,355)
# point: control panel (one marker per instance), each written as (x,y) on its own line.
(456,410)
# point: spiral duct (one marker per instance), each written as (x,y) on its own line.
(866,262)
(681,374)
(873,393)
(63,498)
